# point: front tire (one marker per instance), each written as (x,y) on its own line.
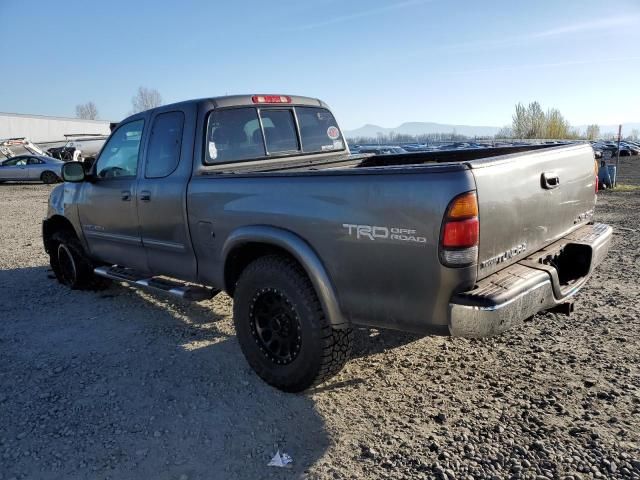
(71,266)
(49,177)
(282,329)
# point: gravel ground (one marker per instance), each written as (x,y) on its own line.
(123,384)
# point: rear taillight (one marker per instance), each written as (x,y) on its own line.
(270,99)
(460,232)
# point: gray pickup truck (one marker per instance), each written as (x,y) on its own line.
(258,196)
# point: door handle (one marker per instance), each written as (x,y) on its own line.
(550,180)
(145,196)
(125,195)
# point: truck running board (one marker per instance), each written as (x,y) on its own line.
(177,289)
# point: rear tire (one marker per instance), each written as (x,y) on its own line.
(71,266)
(49,177)
(282,329)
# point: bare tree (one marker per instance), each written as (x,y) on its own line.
(505,132)
(528,122)
(520,122)
(593,132)
(145,99)
(87,111)
(556,126)
(532,122)
(537,120)
(635,134)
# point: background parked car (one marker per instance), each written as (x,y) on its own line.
(31,168)
(380,150)
(635,149)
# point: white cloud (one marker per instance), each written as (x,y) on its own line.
(601,24)
(537,36)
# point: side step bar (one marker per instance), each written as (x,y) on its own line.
(177,289)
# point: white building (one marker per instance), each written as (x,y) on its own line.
(42,129)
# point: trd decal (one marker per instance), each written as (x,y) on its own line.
(375,232)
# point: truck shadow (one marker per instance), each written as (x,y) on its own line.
(369,341)
(123,384)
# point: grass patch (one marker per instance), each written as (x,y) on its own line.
(621,187)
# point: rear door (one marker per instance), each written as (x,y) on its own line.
(528,200)
(162,195)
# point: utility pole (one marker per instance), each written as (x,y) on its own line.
(618,156)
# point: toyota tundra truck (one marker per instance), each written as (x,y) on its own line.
(259,197)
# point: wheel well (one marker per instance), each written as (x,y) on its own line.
(241,256)
(52,225)
(47,171)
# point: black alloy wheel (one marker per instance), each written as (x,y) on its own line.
(275,326)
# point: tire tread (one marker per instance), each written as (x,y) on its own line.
(86,279)
(335,343)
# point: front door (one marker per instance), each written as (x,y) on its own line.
(161,197)
(108,201)
(14,169)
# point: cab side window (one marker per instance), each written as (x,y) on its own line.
(119,157)
(165,144)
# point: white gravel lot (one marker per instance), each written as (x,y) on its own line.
(123,384)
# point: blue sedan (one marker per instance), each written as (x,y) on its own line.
(31,168)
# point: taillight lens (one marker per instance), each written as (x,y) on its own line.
(464,206)
(460,232)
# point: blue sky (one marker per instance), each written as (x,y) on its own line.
(373,61)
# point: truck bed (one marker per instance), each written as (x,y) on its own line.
(517,213)
(377,161)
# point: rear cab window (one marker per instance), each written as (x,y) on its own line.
(254,133)
(279,130)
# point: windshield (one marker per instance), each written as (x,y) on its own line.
(250,133)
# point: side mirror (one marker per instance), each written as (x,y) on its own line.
(73,172)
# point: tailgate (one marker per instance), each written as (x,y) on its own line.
(528,200)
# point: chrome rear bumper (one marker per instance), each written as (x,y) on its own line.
(517,292)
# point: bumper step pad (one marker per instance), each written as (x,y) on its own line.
(506,298)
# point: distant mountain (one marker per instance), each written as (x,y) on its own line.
(420,128)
